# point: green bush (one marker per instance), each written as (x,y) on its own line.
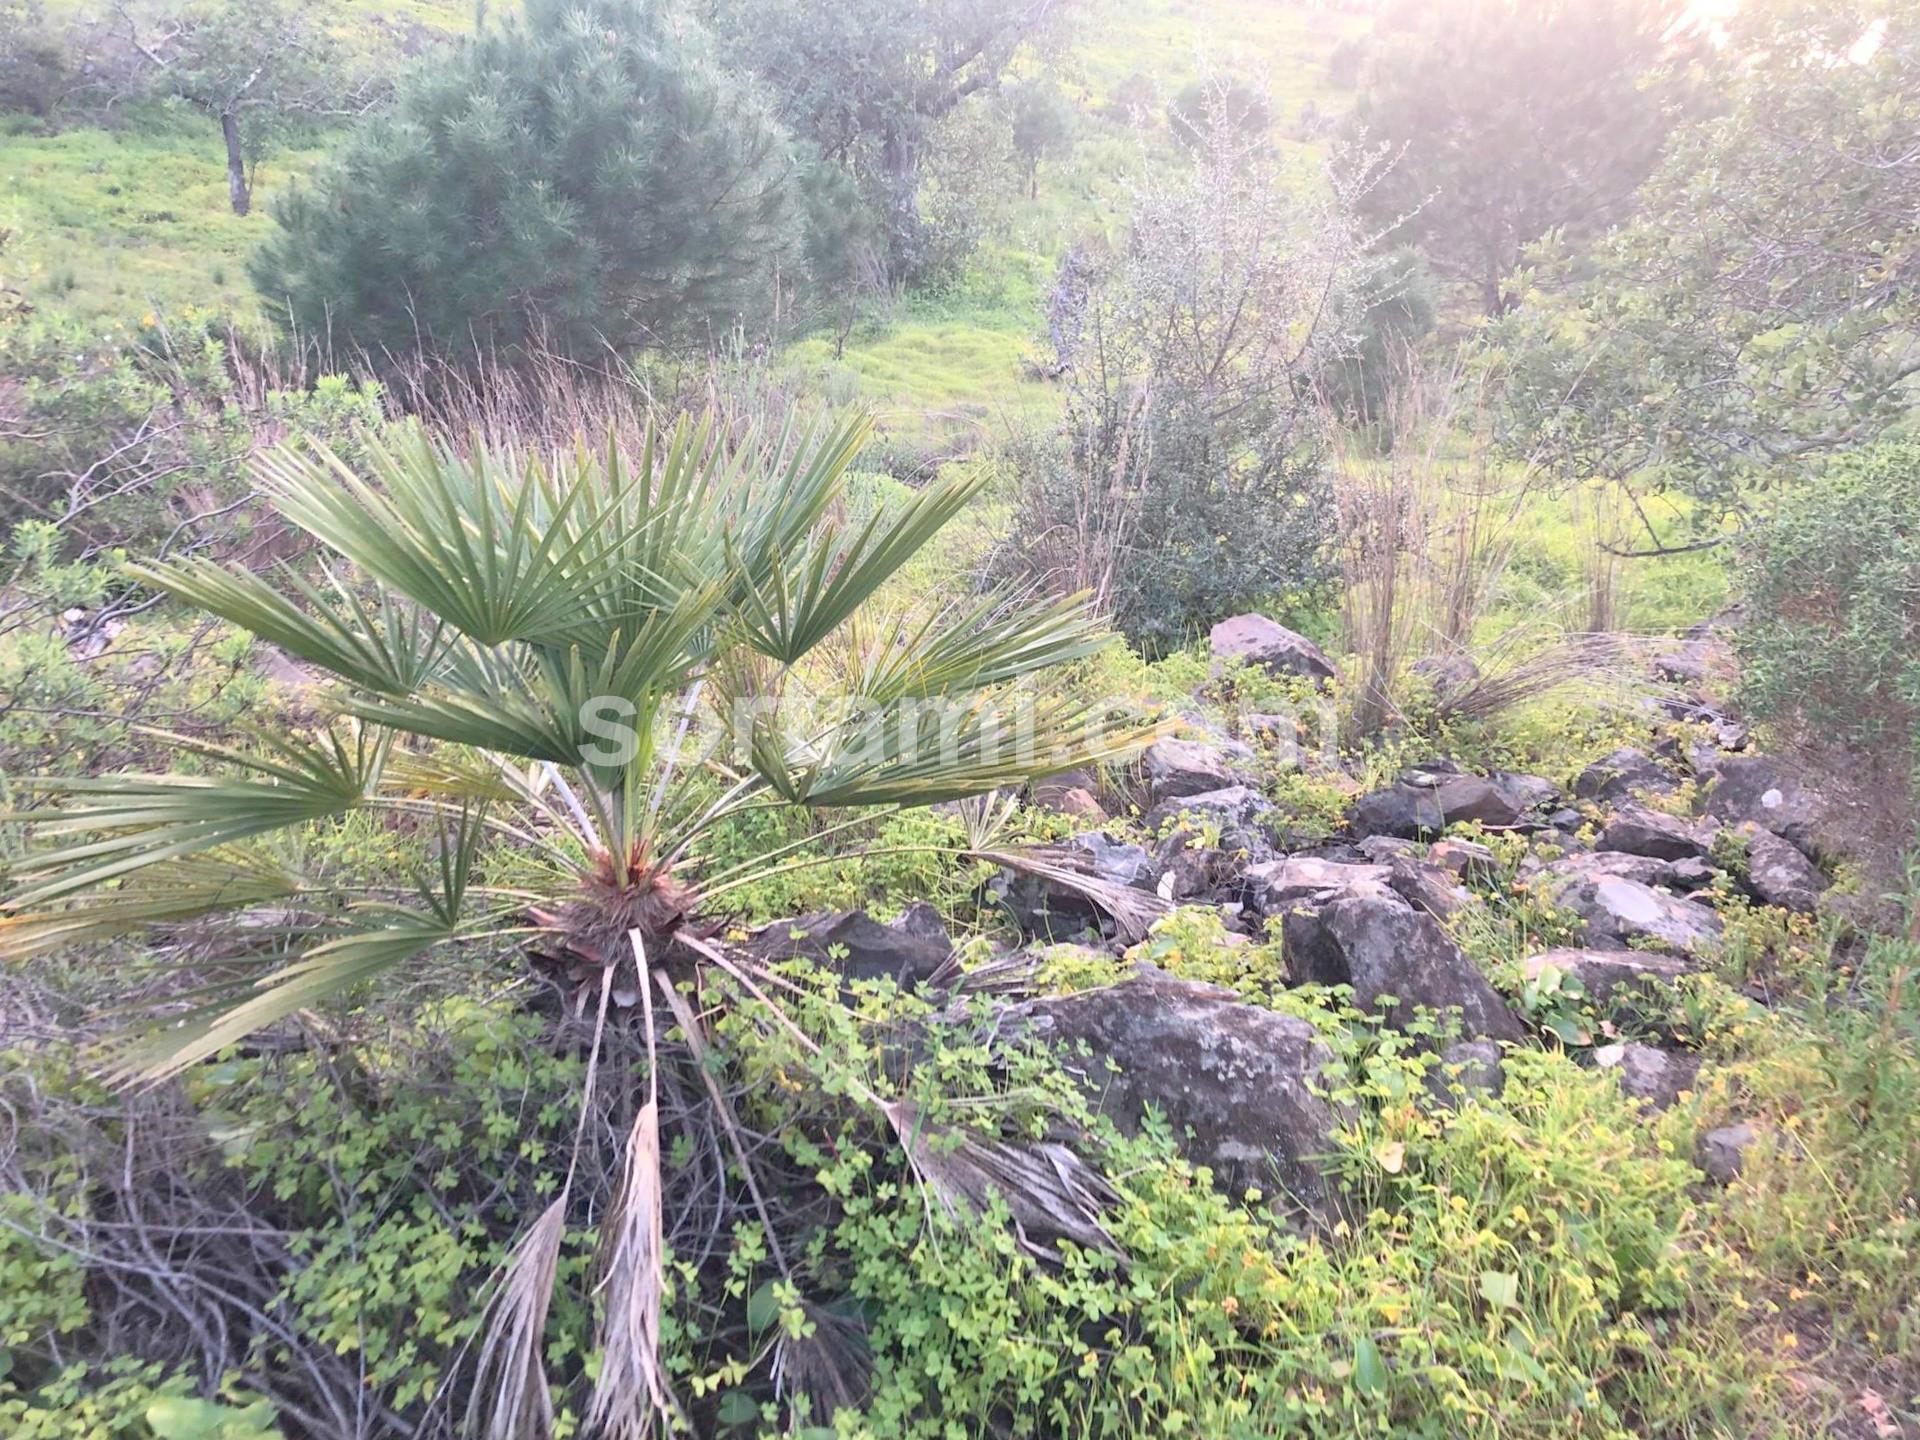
(1831,647)
(35,68)
(585,178)
(118,435)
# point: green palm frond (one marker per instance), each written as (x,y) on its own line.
(322,973)
(163,894)
(1004,637)
(804,602)
(911,754)
(145,820)
(384,646)
(498,546)
(491,703)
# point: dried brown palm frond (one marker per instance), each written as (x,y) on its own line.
(826,1368)
(632,1390)
(1049,1191)
(1011,974)
(510,1400)
(1134,911)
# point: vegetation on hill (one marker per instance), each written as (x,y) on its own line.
(890,719)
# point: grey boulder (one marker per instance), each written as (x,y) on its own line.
(1721,1154)
(1176,769)
(1636,830)
(1777,873)
(1615,912)
(1428,887)
(1242,1084)
(1373,940)
(1467,859)
(1424,802)
(910,952)
(1279,885)
(1256,640)
(1630,984)
(1759,790)
(1656,1077)
(1624,773)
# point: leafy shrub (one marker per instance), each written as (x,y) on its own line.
(1831,647)
(1187,478)
(34,64)
(126,1398)
(1207,103)
(1502,1269)
(585,178)
(124,436)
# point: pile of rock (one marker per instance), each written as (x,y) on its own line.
(1629,864)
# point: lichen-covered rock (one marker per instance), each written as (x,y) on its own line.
(1370,938)
(1777,873)
(1615,912)
(1466,859)
(1635,830)
(1176,769)
(1256,640)
(909,952)
(1589,865)
(1625,773)
(1658,1077)
(1424,802)
(1240,1084)
(1759,790)
(1428,887)
(1237,807)
(1279,885)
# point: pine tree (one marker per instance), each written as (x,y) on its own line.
(584,179)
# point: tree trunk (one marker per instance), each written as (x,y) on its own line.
(237,190)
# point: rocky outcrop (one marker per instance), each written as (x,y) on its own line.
(910,952)
(1241,1085)
(1631,985)
(1633,829)
(1657,1077)
(1279,885)
(1428,887)
(1615,911)
(1465,859)
(1758,790)
(1256,640)
(1777,873)
(1373,940)
(1177,769)
(1622,775)
(1425,802)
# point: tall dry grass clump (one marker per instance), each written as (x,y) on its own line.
(1431,517)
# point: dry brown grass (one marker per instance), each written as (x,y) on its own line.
(1427,533)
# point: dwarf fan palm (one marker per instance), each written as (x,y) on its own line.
(527,650)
